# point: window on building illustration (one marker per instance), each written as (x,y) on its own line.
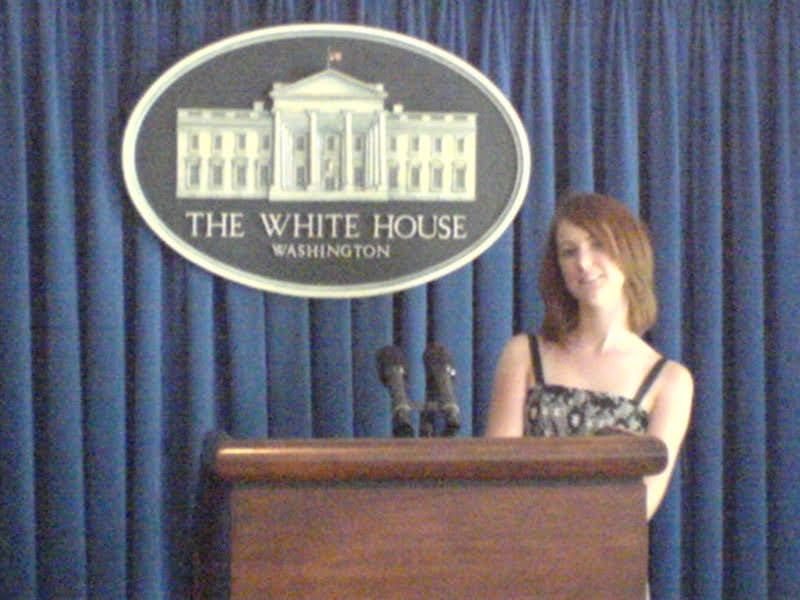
(330,142)
(241,141)
(300,143)
(193,173)
(414,177)
(358,143)
(330,183)
(358,177)
(459,179)
(240,173)
(461,145)
(438,144)
(194,141)
(437,177)
(394,177)
(216,173)
(415,143)
(393,143)
(300,176)
(266,142)
(217,142)
(264,176)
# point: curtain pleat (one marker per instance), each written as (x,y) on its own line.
(411,334)
(328,10)
(118,356)
(189,352)
(146,412)
(453,27)
(538,116)
(199,360)
(618,163)
(278,12)
(378,14)
(100,260)
(17,517)
(575,105)
(451,324)
(703,522)
(450,313)
(414,18)
(493,271)
(289,360)
(58,409)
(146,331)
(372,320)
(661,199)
(244,373)
(745,411)
(331,368)
(782,288)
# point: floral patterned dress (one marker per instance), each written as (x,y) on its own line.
(555,410)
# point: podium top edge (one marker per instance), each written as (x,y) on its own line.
(433,459)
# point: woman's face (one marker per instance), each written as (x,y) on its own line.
(590,274)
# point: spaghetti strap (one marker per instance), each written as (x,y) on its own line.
(536,358)
(649,379)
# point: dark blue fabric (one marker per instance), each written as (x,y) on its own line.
(17,461)
(703,523)
(781,154)
(539,116)
(117,356)
(493,271)
(100,267)
(662,203)
(372,318)
(743,307)
(331,368)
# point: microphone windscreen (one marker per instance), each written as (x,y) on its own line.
(389,357)
(436,355)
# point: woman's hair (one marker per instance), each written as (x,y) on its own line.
(624,238)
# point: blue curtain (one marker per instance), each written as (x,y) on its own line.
(117,356)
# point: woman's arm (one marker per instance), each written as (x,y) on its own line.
(669,420)
(512,379)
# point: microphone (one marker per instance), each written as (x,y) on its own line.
(439,374)
(393,372)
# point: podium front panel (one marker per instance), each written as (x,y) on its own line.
(364,523)
(438,541)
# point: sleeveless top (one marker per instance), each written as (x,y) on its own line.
(556,410)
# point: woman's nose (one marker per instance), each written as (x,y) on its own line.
(584,258)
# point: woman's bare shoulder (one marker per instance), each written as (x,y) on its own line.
(677,379)
(517,348)
(512,379)
(519,341)
(674,391)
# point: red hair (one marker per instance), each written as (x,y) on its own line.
(624,238)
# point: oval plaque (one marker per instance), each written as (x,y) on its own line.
(326,161)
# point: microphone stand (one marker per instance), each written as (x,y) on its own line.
(439,414)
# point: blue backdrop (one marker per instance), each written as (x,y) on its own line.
(117,355)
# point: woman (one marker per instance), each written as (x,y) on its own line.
(589,371)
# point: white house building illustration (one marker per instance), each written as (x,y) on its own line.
(326,137)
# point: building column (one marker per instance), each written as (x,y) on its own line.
(374,159)
(347,155)
(314,166)
(383,153)
(277,151)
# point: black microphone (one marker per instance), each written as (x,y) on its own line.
(393,372)
(439,374)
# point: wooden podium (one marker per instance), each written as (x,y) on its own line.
(425,518)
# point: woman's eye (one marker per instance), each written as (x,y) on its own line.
(568,252)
